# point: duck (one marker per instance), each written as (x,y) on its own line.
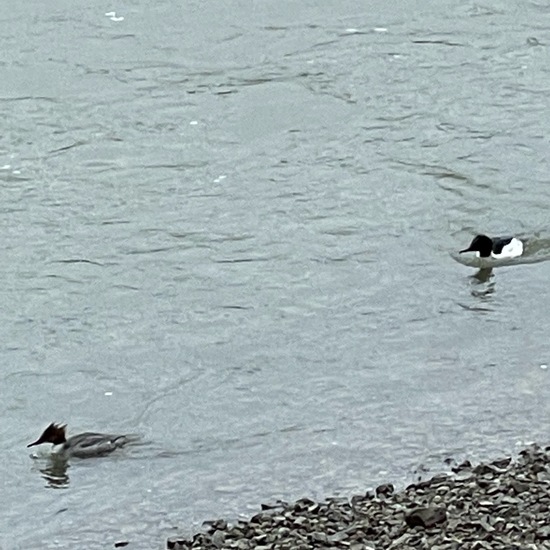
(84,445)
(496,247)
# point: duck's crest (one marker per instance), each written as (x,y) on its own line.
(54,433)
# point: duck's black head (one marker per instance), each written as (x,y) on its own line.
(481,244)
(54,433)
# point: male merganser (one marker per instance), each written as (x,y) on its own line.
(499,247)
(83,445)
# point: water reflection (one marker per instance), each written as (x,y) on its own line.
(481,281)
(55,472)
(483,275)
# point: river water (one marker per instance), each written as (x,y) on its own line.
(229,227)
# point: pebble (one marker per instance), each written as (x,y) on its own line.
(499,505)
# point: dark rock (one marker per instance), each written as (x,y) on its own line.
(466,465)
(426,517)
(484,470)
(519,486)
(384,490)
(258,518)
(502,463)
(215,524)
(177,544)
(538,467)
(260,539)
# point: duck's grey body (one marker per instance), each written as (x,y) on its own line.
(84,445)
(88,444)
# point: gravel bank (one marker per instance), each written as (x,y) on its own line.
(499,505)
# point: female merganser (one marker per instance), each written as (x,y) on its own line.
(83,445)
(499,247)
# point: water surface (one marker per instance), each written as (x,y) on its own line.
(229,227)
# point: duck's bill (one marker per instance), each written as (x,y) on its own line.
(37,442)
(465,250)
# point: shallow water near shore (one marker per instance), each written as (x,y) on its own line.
(230,228)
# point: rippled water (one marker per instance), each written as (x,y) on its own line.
(229,227)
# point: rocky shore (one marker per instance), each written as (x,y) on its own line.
(499,505)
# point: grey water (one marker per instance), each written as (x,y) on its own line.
(230,226)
